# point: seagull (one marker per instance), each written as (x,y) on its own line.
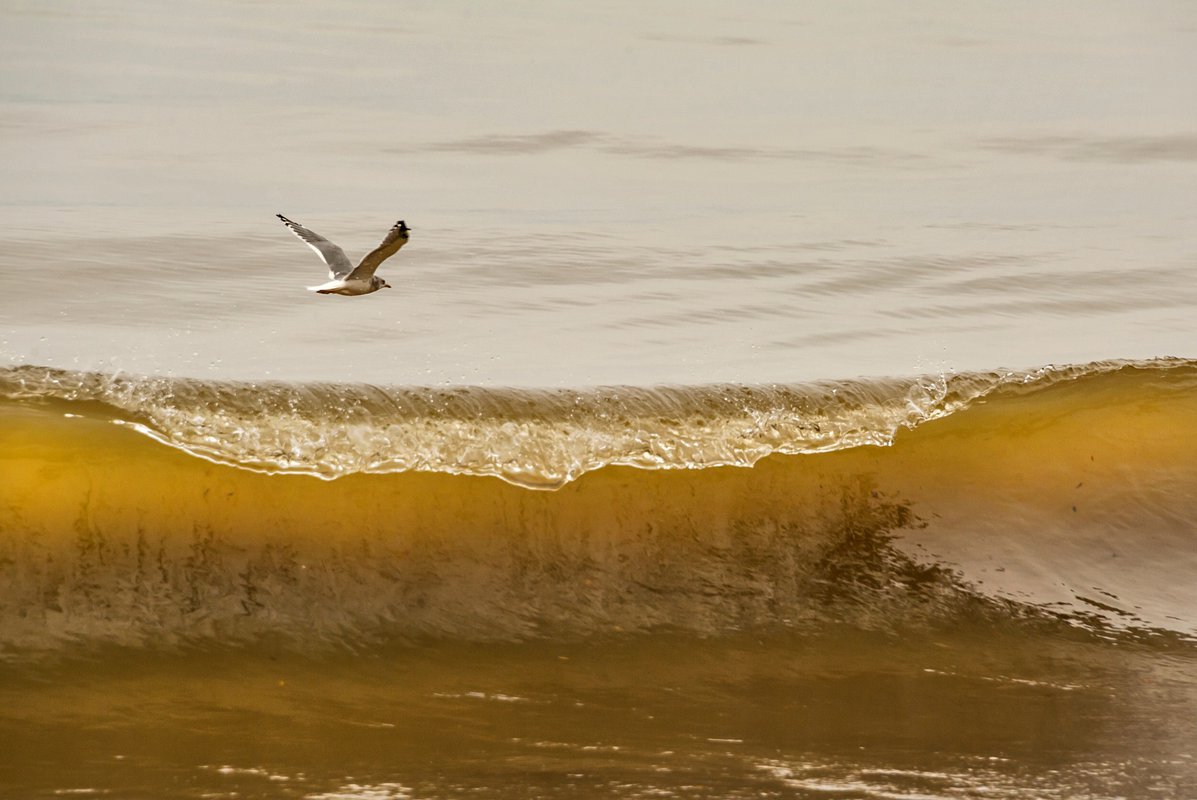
(347,279)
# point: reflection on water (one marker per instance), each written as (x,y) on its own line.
(489,305)
(974,713)
(691,196)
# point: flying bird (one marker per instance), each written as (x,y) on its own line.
(345,278)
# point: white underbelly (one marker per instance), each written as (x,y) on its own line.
(342,287)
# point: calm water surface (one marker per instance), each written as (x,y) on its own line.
(671,193)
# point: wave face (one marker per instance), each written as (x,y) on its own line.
(1064,495)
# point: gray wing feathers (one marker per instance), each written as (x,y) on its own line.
(396,237)
(338,263)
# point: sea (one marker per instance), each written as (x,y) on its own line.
(774,400)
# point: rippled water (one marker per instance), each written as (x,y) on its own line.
(767,207)
(621,194)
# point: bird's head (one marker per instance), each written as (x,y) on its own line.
(386,285)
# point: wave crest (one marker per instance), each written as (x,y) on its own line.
(538,439)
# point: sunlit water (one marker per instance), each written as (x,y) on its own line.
(621,194)
(671,193)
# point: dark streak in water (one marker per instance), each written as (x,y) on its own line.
(519,143)
(1113,149)
(652,148)
(720,41)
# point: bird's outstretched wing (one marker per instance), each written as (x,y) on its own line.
(338,263)
(396,237)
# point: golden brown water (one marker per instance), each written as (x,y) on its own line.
(1078,487)
(956,715)
(999,602)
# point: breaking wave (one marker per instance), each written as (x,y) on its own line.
(145,511)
